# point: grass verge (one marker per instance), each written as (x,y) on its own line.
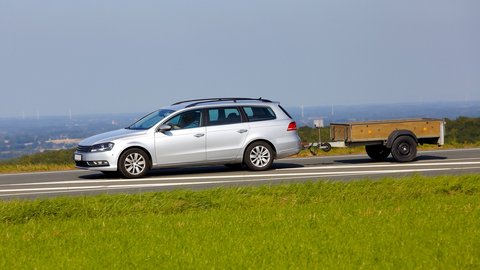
(47,161)
(415,222)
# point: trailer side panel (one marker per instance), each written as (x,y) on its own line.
(358,132)
(378,131)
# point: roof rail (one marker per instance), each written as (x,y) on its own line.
(207,100)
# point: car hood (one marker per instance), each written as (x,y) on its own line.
(111,136)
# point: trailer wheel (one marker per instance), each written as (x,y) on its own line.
(326,147)
(404,149)
(377,152)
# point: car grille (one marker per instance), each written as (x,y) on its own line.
(81,164)
(84,149)
(87,164)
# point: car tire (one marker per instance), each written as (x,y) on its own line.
(134,163)
(404,149)
(258,156)
(377,152)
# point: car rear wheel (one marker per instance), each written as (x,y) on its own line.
(259,156)
(134,163)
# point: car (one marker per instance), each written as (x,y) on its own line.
(235,132)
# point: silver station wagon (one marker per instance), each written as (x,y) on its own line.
(234,132)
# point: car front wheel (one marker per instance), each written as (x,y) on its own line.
(134,163)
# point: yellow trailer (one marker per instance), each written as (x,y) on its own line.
(398,137)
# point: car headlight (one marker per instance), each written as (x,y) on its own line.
(102,147)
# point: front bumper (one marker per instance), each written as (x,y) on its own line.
(102,161)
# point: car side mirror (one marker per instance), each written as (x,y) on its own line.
(164,128)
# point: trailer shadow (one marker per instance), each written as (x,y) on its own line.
(390,159)
(428,157)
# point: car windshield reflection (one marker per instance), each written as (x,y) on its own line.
(150,120)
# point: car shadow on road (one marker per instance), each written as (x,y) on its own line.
(191,170)
(165,172)
(285,165)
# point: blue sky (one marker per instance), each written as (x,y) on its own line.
(135,56)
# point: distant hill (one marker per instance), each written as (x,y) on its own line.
(20,136)
(451,110)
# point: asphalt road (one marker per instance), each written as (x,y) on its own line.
(341,168)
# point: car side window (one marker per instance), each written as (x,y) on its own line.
(224,116)
(259,113)
(190,119)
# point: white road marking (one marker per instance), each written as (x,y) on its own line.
(149,185)
(380,165)
(323,171)
(285,159)
(248,175)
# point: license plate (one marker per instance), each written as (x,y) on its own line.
(78,157)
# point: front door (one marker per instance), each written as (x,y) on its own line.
(184,143)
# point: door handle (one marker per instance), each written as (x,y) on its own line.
(199,135)
(242,130)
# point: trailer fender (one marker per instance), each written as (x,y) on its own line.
(397,133)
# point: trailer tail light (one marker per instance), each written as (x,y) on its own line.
(292,126)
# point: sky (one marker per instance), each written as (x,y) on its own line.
(117,56)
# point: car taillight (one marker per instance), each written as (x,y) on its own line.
(292,126)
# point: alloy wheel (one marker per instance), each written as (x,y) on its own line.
(135,163)
(260,156)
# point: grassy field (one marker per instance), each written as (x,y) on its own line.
(416,222)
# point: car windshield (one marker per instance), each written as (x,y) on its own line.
(150,119)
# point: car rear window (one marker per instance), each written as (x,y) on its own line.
(259,113)
(224,116)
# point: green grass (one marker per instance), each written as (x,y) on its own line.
(46,161)
(415,222)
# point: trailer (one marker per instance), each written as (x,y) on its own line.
(382,138)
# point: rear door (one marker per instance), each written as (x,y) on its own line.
(226,133)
